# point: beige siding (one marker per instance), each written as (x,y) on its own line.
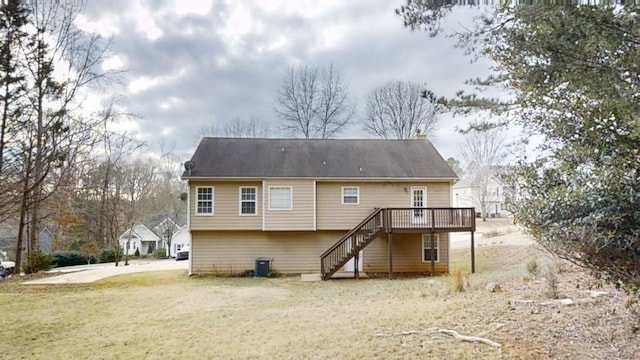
(301,216)
(226,208)
(236,251)
(332,214)
(406,254)
(299,252)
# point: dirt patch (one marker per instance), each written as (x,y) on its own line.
(496,231)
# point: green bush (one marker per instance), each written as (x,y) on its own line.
(161,253)
(137,253)
(37,261)
(68,258)
(107,255)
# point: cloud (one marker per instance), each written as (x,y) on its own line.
(204,63)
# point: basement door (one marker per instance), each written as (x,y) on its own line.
(419,200)
(350,265)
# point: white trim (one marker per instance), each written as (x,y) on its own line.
(315,205)
(264,209)
(212,201)
(427,238)
(188,206)
(357,195)
(168,251)
(240,200)
(290,198)
(324,179)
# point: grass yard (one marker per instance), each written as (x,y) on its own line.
(166,315)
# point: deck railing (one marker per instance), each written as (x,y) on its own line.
(393,220)
(431,218)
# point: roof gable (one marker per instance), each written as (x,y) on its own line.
(302,158)
(141,232)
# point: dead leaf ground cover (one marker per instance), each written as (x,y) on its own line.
(168,315)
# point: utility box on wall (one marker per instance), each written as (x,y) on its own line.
(262,267)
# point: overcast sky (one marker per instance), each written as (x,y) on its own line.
(204,62)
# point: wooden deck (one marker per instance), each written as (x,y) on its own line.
(396,220)
(430,219)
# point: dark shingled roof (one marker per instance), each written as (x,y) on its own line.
(299,158)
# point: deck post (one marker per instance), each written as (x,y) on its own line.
(355,268)
(433,250)
(473,254)
(390,241)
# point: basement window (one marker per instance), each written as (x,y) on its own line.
(426,247)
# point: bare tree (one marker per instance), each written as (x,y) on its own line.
(212,129)
(314,103)
(455,166)
(167,197)
(43,134)
(138,178)
(252,128)
(13,17)
(400,110)
(483,151)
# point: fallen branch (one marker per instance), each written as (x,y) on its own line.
(469,338)
(402,333)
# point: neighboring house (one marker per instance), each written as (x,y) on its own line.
(181,238)
(46,240)
(312,206)
(9,240)
(468,193)
(139,238)
(164,229)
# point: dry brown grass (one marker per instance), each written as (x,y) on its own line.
(458,279)
(168,315)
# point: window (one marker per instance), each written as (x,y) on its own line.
(426,247)
(248,200)
(350,195)
(204,200)
(280,198)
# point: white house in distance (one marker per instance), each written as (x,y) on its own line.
(466,193)
(148,241)
(139,238)
(180,239)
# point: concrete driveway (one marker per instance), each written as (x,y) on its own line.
(90,273)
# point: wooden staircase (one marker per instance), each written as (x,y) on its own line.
(350,245)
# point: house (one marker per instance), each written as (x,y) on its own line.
(321,206)
(9,240)
(165,229)
(493,192)
(45,240)
(140,238)
(181,238)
